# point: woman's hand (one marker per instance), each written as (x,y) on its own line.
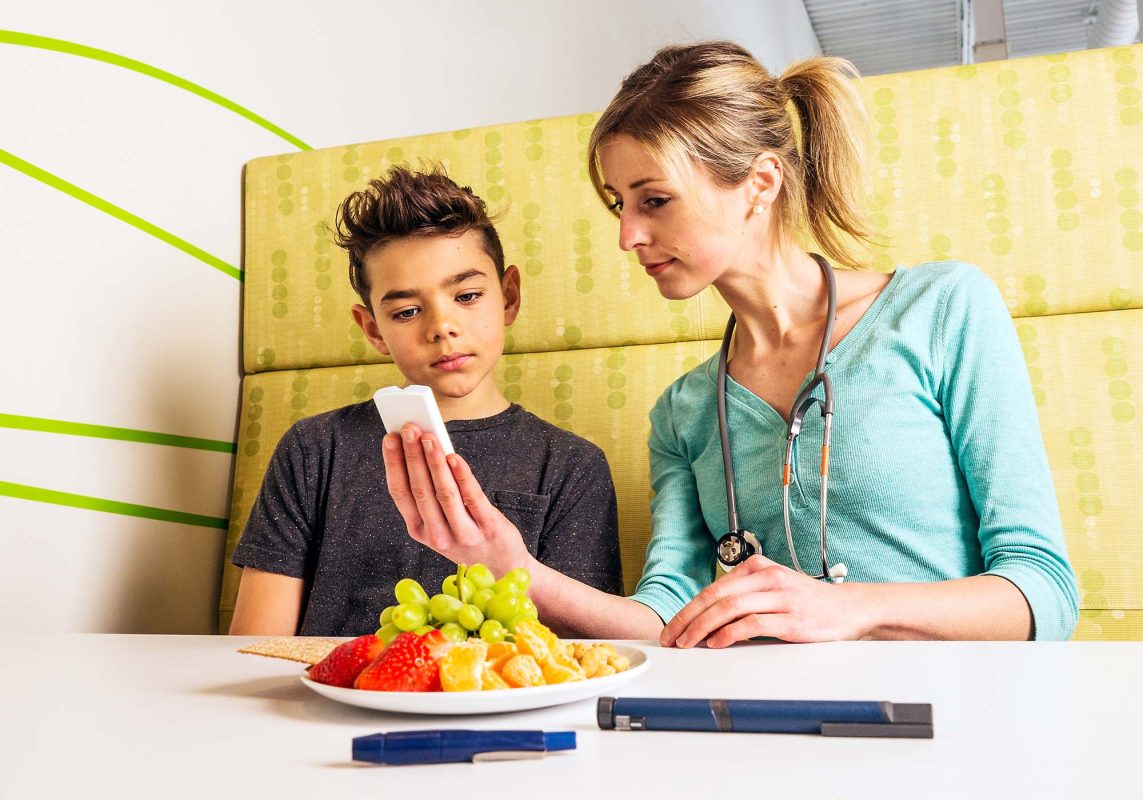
(762,598)
(444,507)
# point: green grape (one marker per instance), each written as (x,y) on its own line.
(511,623)
(528,609)
(448,586)
(506,585)
(421,631)
(492,631)
(454,632)
(410,616)
(408,590)
(387,633)
(519,576)
(480,598)
(470,617)
(481,576)
(387,616)
(444,608)
(502,606)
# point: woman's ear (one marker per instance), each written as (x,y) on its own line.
(764,182)
(510,285)
(364,319)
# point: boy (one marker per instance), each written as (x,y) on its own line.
(325,542)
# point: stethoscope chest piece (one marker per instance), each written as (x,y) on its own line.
(737,546)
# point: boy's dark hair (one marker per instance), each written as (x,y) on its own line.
(406,203)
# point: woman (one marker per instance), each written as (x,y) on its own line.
(940,499)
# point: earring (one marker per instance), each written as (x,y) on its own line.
(759,208)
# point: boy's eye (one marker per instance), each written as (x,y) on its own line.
(469,297)
(407,313)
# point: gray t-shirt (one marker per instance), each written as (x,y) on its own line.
(324,513)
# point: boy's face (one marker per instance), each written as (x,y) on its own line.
(439,309)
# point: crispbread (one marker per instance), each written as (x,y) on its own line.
(306,649)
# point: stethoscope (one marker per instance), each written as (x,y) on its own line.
(738,545)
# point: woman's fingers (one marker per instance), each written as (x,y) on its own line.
(728,609)
(741,579)
(772,626)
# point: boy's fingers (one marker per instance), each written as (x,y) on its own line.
(421,482)
(397,477)
(471,495)
(448,493)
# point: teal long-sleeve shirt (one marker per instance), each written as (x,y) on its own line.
(937,466)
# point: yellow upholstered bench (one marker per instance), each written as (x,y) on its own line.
(1031,169)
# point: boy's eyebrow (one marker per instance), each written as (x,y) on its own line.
(460,277)
(636,184)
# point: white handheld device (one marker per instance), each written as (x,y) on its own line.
(414,404)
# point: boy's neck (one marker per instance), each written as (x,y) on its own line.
(484,401)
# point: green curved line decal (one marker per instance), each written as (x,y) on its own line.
(42,425)
(83,51)
(31,170)
(38,495)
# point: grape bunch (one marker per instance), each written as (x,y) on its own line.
(471,603)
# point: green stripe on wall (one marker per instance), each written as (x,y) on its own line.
(38,495)
(31,170)
(72,48)
(106,432)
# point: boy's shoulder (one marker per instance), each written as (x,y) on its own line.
(556,440)
(326,429)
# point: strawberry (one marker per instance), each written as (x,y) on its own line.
(408,664)
(345,662)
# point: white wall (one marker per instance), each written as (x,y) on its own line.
(104,324)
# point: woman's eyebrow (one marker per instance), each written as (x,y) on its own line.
(636,184)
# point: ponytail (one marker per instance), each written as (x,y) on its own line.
(832,124)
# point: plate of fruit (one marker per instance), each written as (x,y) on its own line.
(477,647)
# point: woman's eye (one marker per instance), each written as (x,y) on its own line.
(469,297)
(616,206)
(656,202)
(407,313)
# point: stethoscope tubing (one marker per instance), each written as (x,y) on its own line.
(801,405)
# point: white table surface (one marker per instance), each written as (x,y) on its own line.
(186,716)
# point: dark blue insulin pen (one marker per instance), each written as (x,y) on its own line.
(822,717)
(455,746)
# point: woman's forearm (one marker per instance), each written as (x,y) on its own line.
(574,608)
(983,607)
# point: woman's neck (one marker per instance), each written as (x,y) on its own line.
(779,292)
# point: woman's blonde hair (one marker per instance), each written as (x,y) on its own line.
(713,105)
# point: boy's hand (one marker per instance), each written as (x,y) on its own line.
(444,507)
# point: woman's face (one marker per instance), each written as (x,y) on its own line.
(685,242)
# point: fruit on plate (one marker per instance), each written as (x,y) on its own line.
(409,664)
(346,661)
(462,668)
(470,603)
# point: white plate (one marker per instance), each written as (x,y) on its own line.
(492,702)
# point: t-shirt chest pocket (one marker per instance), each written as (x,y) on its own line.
(526,511)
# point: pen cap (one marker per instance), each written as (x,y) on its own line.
(559,740)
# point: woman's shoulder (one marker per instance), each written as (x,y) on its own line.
(944,276)
(693,387)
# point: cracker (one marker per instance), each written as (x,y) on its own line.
(306,649)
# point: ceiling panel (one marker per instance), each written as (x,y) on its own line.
(882,36)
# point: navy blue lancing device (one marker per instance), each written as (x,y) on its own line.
(455,746)
(822,717)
